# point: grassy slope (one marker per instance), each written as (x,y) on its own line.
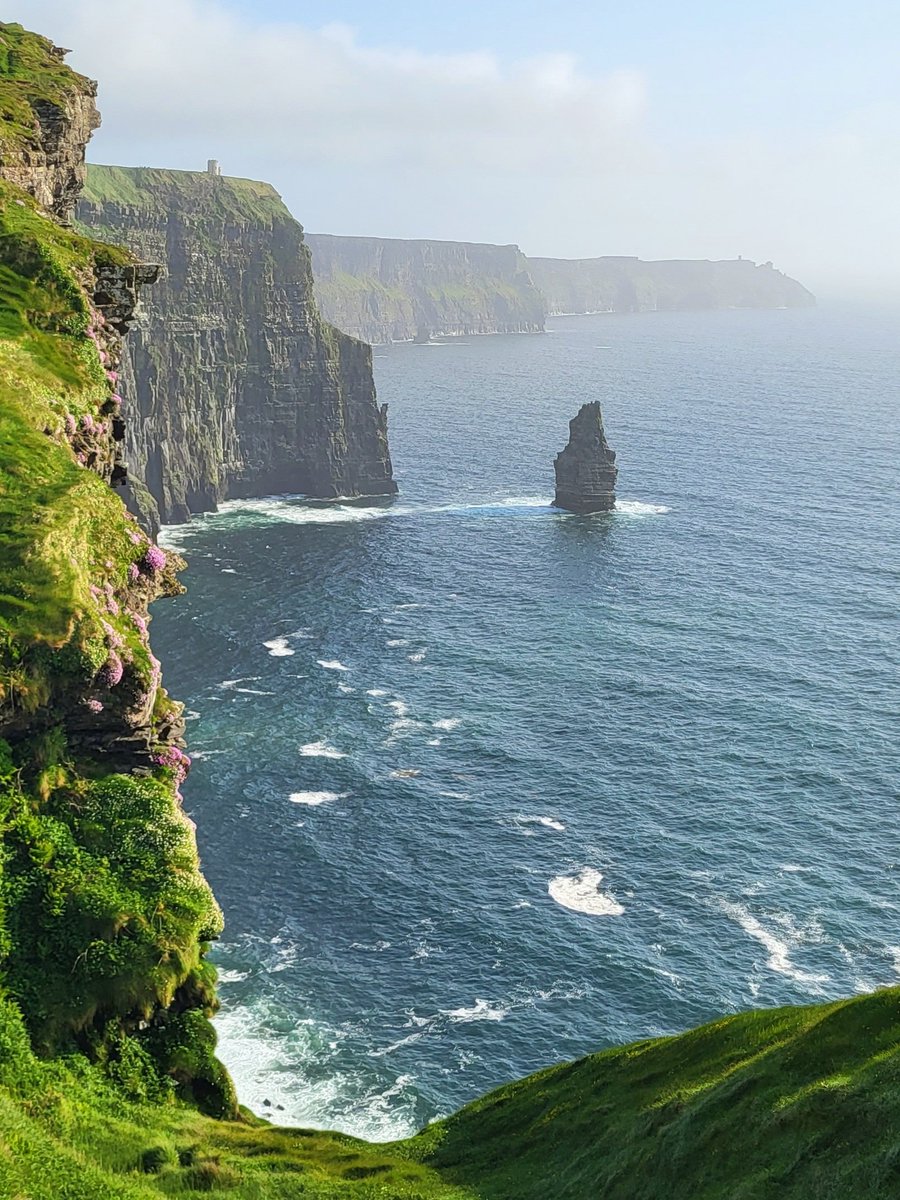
(29,73)
(795,1103)
(154,189)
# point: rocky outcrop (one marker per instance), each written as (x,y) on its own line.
(235,385)
(586,468)
(48,115)
(392,290)
(591,285)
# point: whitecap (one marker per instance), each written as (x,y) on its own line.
(279,648)
(320,750)
(434,741)
(481,1010)
(226,976)
(400,707)
(447,723)
(394,642)
(636,508)
(346,689)
(232,683)
(331,664)
(547,822)
(315,799)
(581,893)
(418,657)
(376,692)
(779,951)
(228,571)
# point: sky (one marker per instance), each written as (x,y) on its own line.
(701,129)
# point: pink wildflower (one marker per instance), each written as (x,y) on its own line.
(133,572)
(95,706)
(154,559)
(112,672)
(135,537)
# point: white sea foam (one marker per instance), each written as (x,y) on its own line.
(320,750)
(435,741)
(232,683)
(397,642)
(315,799)
(279,648)
(226,976)
(400,707)
(581,893)
(418,657)
(779,950)
(228,571)
(376,692)
(331,664)
(547,822)
(636,508)
(481,1010)
(447,723)
(346,689)
(454,795)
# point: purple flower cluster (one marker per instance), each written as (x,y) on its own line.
(135,537)
(112,604)
(111,674)
(114,639)
(70,425)
(94,705)
(87,423)
(176,760)
(133,572)
(140,624)
(155,559)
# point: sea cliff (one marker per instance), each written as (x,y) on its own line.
(587,285)
(109,1086)
(236,385)
(392,290)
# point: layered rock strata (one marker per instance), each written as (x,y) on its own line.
(586,469)
(590,285)
(48,115)
(390,290)
(235,385)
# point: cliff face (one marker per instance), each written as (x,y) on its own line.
(105,918)
(384,290)
(235,385)
(584,285)
(47,115)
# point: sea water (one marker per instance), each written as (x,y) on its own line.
(482,786)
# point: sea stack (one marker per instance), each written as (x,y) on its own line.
(586,469)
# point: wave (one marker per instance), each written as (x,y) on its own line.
(331,664)
(279,648)
(779,950)
(418,657)
(581,893)
(315,799)
(447,723)
(547,822)
(637,508)
(320,750)
(376,692)
(481,1010)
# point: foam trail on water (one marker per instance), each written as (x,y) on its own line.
(778,950)
(315,799)
(580,893)
(320,750)
(278,647)
(331,664)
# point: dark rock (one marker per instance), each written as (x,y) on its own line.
(233,384)
(586,469)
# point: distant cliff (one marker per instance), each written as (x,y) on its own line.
(384,289)
(235,385)
(583,285)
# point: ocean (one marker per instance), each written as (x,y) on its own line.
(482,786)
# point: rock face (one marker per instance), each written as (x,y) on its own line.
(234,384)
(586,469)
(47,120)
(390,290)
(587,285)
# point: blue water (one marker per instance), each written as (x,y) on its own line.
(683,715)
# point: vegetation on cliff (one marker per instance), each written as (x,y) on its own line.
(105,919)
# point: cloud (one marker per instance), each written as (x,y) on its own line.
(180,71)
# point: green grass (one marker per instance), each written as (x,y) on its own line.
(154,190)
(788,1104)
(30,73)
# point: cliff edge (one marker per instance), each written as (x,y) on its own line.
(394,290)
(611,284)
(236,385)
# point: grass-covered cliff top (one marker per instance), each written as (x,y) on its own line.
(786,1104)
(155,190)
(31,70)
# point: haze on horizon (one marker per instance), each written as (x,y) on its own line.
(574,130)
